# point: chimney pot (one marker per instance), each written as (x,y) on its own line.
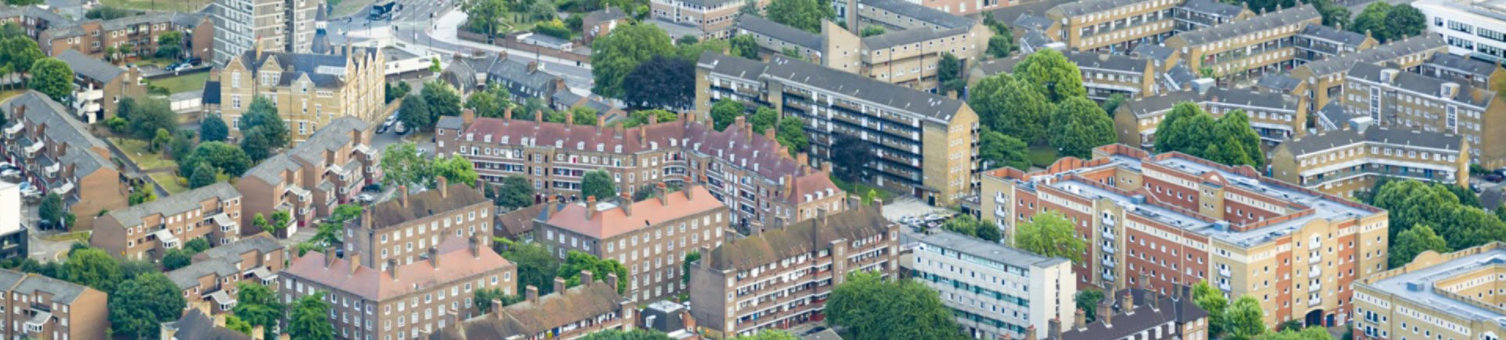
(559,285)
(532,293)
(1081,321)
(590,207)
(355,262)
(586,276)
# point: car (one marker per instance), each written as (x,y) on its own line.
(400,129)
(366,198)
(385,126)
(1495,178)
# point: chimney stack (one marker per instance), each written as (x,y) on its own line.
(497,304)
(662,191)
(355,261)
(444,186)
(590,207)
(468,116)
(1129,302)
(821,215)
(705,261)
(476,244)
(538,118)
(689,194)
(612,279)
(1056,328)
(392,268)
(626,204)
(569,120)
(1030,332)
(1106,313)
(532,293)
(434,257)
(586,276)
(402,191)
(768,133)
(329,257)
(1081,321)
(507,115)
(559,285)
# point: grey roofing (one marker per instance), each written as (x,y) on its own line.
(1381,135)
(394,53)
(304,64)
(1107,61)
(1162,103)
(566,98)
(1461,64)
(9,278)
(259,243)
(331,137)
(1416,82)
(856,86)
(1278,82)
(603,15)
(62,291)
(195,325)
(1334,35)
(174,204)
(74,30)
(63,128)
(222,261)
(32,12)
(270,170)
(910,36)
(991,251)
(1250,26)
(1032,21)
(1212,7)
(745,69)
(1150,310)
(926,14)
(211,92)
(1072,9)
(674,29)
(778,31)
(1035,39)
(1378,54)
(1336,115)
(999,65)
(1153,51)
(516,72)
(1416,285)
(188,19)
(89,67)
(147,18)
(450,123)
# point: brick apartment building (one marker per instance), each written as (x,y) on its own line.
(1350,161)
(215,274)
(781,277)
(1398,99)
(133,36)
(148,230)
(747,170)
(326,170)
(922,143)
(1274,116)
(714,19)
(99,86)
(60,156)
(1178,220)
(32,19)
(389,230)
(405,300)
(40,307)
(309,90)
(1322,81)
(648,249)
(568,313)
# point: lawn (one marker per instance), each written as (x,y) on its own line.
(11,93)
(183,83)
(168,182)
(146,160)
(158,5)
(861,189)
(1042,155)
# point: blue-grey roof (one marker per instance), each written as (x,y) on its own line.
(1212,7)
(1031,21)
(331,137)
(33,11)
(270,170)
(174,204)
(778,31)
(1078,8)
(1160,104)
(991,251)
(89,67)
(910,36)
(1334,35)
(1461,64)
(221,261)
(1153,51)
(1418,286)
(785,69)
(1382,53)
(926,14)
(1257,24)
(1419,83)
(62,128)
(62,291)
(1378,135)
(1278,82)
(516,73)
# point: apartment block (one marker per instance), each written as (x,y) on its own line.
(148,230)
(1450,296)
(1322,81)
(134,36)
(309,90)
(278,25)
(1274,116)
(14,236)
(32,19)
(648,249)
(405,300)
(312,178)
(98,86)
(907,53)
(1111,26)
(215,274)
(1245,50)
(747,170)
(1103,75)
(781,278)
(1471,28)
(923,144)
(1199,14)
(40,307)
(568,313)
(1413,101)
(995,291)
(1349,161)
(1178,220)
(389,230)
(60,156)
(714,19)
(1140,314)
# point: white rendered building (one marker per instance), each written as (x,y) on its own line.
(997,292)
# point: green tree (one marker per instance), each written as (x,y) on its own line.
(1414,241)
(203,175)
(1245,320)
(949,73)
(310,318)
(515,192)
(1049,71)
(724,112)
(1077,126)
(19,53)
(196,245)
(1087,300)
(1404,21)
(142,304)
(483,16)
(94,268)
(618,53)
(403,165)
(1050,234)
(643,117)
(791,134)
(492,102)
(257,305)
(636,334)
(1001,44)
(442,100)
(280,220)
(149,116)
(414,113)
(213,129)
(997,149)
(868,306)
(53,78)
(170,44)
(690,257)
(1411,203)
(52,208)
(262,129)
(584,116)
(456,170)
(768,334)
(1011,106)
(225,157)
(1112,103)
(663,82)
(536,265)
(176,258)
(160,140)
(1228,140)
(763,119)
(801,14)
(238,325)
(871,30)
(576,261)
(971,226)
(744,46)
(485,296)
(598,183)
(1372,20)
(1333,15)
(1212,301)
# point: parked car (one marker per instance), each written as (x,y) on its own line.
(1495,178)
(400,129)
(10,174)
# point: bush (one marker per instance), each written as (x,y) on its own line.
(553,28)
(117,124)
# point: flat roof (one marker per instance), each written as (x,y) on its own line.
(987,250)
(1416,285)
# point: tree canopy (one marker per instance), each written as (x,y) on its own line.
(219,155)
(1050,234)
(403,165)
(53,78)
(1414,241)
(791,134)
(310,319)
(1416,203)
(1050,73)
(140,305)
(1087,300)
(801,14)
(1077,126)
(576,261)
(213,129)
(996,149)
(724,113)
(868,306)
(1385,22)
(262,129)
(414,112)
(1228,139)
(968,225)
(617,54)
(745,46)
(514,192)
(1011,106)
(492,102)
(636,334)
(442,99)
(598,183)
(536,265)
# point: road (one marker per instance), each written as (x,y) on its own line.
(431,26)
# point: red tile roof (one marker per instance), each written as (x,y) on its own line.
(615,221)
(455,262)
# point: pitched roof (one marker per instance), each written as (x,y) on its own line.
(603,15)
(329,138)
(90,67)
(806,236)
(1462,64)
(221,261)
(991,251)
(518,222)
(610,221)
(141,19)
(1160,104)
(910,36)
(270,170)
(392,213)
(926,14)
(516,72)
(1138,318)
(323,70)
(778,31)
(1212,7)
(852,85)
(195,325)
(1378,135)
(64,129)
(1078,8)
(583,302)
(1334,35)
(174,204)
(1107,61)
(211,92)
(455,263)
(1249,26)
(34,11)
(1382,53)
(1415,82)
(62,291)
(1156,52)
(1278,82)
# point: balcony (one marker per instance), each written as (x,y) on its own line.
(1108,277)
(52,169)
(89,95)
(303,194)
(1108,249)
(1314,259)
(226,224)
(38,321)
(1108,234)
(15,128)
(167,239)
(1314,272)
(63,190)
(1224,286)
(34,147)
(1224,272)
(1108,263)
(1314,287)
(1314,301)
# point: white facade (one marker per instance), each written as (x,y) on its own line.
(10,208)
(1475,29)
(279,25)
(1006,290)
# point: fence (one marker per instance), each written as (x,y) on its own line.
(510,41)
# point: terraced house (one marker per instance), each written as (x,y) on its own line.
(312,178)
(309,90)
(1348,161)
(40,307)
(215,274)
(782,277)
(148,230)
(1111,25)
(1274,116)
(1322,81)
(60,156)
(389,230)
(923,144)
(98,86)
(567,313)
(131,36)
(747,170)
(34,19)
(1173,220)
(1413,101)
(1245,50)
(1449,296)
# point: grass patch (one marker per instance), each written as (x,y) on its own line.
(1042,155)
(11,93)
(168,182)
(343,8)
(158,5)
(77,236)
(183,83)
(861,189)
(146,160)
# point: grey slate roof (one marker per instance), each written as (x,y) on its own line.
(62,291)
(304,65)
(188,19)
(89,67)
(1212,7)
(147,18)
(1031,21)
(450,123)
(899,97)
(174,204)
(516,72)
(1334,35)
(329,138)
(603,15)
(195,325)
(271,169)
(1162,103)
(1106,61)
(1378,54)
(1259,23)
(1424,84)
(211,92)
(1153,51)
(1072,9)
(1458,63)
(63,128)
(926,14)
(1278,82)
(1381,135)
(988,250)
(745,69)
(778,31)
(1143,318)
(32,12)
(221,261)
(1335,115)
(910,36)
